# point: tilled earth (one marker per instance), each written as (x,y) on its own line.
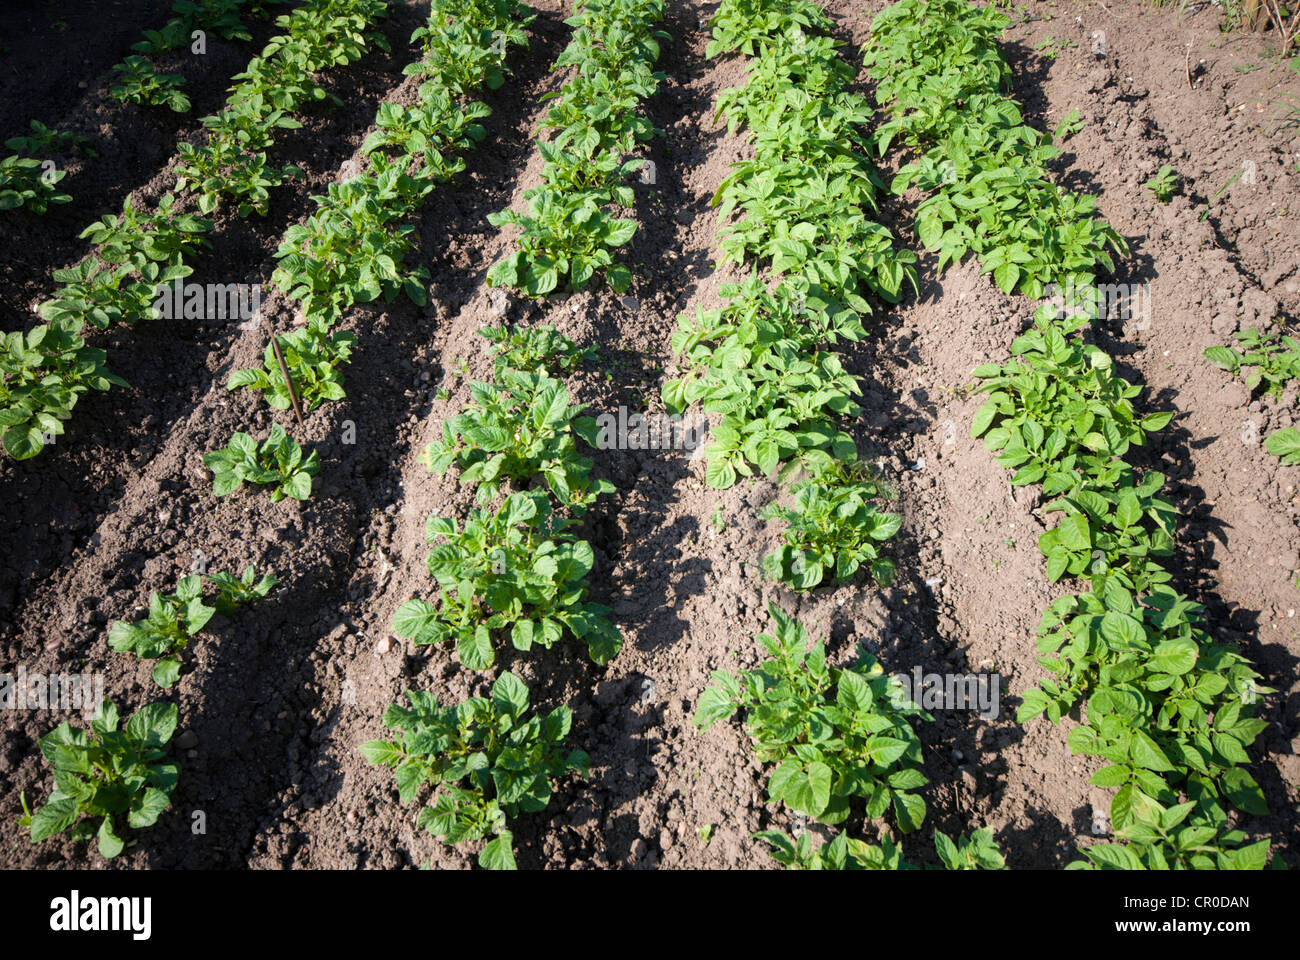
(278,697)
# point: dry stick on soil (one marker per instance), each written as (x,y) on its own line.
(1188,66)
(1286,30)
(284,372)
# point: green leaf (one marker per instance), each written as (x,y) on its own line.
(984,417)
(909,809)
(145,810)
(1283,443)
(809,789)
(110,844)
(497,854)
(1244,793)
(416,620)
(510,695)
(1223,357)
(298,486)
(166,672)
(1075,533)
(716,703)
(382,753)
(153,724)
(54,818)
(475,649)
(1146,754)
(1174,656)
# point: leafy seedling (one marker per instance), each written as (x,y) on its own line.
(841,853)
(522,428)
(1164,184)
(1271,359)
(488,759)
(25,183)
(173,619)
(516,568)
(1070,124)
(278,463)
(979,851)
(117,776)
(827,749)
(832,530)
(235,592)
(143,84)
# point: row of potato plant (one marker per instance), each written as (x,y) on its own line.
(353,249)
(512,570)
(1168,708)
(765,361)
(1272,361)
(118,773)
(836,737)
(571,230)
(44,371)
(142,83)
(29,175)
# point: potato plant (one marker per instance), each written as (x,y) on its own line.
(516,569)
(522,428)
(352,250)
(222,18)
(832,530)
(25,184)
(43,140)
(237,591)
(173,619)
(313,356)
(979,851)
(278,462)
(834,734)
(570,231)
(42,373)
(488,759)
(1168,708)
(840,853)
(141,83)
(1164,184)
(762,362)
(1268,359)
(176,618)
(164,235)
(541,349)
(232,164)
(115,773)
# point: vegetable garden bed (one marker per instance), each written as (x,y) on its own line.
(635,637)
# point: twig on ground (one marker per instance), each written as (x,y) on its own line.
(284,372)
